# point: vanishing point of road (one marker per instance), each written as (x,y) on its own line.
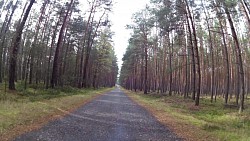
(110,117)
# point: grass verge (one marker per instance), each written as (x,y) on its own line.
(209,121)
(23,111)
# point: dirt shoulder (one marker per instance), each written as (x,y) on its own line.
(181,128)
(53,109)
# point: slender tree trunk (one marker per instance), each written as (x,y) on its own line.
(55,71)
(135,76)
(196,52)
(141,80)
(211,50)
(51,48)
(163,79)
(193,58)
(34,44)
(227,85)
(187,71)
(15,47)
(246,13)
(90,20)
(170,65)
(88,50)
(238,53)
(146,68)
(3,38)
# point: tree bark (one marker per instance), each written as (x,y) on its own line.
(196,53)
(211,50)
(193,58)
(88,50)
(227,85)
(5,28)
(90,20)
(238,53)
(15,47)
(146,68)
(55,71)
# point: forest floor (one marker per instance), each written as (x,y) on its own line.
(26,110)
(209,121)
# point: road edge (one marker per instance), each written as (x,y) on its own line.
(40,122)
(182,130)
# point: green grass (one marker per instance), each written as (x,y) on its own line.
(23,107)
(213,118)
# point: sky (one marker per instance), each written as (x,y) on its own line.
(121,16)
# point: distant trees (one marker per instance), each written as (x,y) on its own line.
(105,65)
(197,48)
(55,45)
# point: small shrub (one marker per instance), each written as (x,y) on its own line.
(211,127)
(68,89)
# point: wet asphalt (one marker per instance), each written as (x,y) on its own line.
(110,117)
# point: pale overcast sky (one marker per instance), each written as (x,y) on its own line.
(121,16)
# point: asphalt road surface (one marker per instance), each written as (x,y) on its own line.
(110,117)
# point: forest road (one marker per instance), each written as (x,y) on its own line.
(110,117)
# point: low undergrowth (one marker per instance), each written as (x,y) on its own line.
(209,121)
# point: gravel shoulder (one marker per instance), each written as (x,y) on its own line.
(110,117)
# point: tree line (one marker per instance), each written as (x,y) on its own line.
(56,43)
(190,48)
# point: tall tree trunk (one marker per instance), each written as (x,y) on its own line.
(170,64)
(51,48)
(88,50)
(15,47)
(55,71)
(141,77)
(146,68)
(90,20)
(227,85)
(193,57)
(247,12)
(196,52)
(135,76)
(34,44)
(3,38)
(238,53)
(211,50)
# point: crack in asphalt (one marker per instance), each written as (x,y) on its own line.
(110,117)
